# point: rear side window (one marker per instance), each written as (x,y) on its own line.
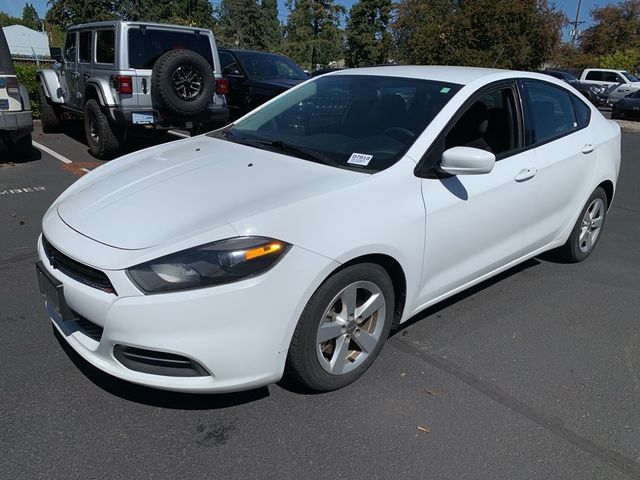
(551,112)
(84,53)
(594,76)
(105,46)
(611,77)
(146,46)
(583,112)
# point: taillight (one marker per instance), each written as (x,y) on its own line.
(123,84)
(222,86)
(13,86)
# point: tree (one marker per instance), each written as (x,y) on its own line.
(368,37)
(239,24)
(30,17)
(616,27)
(518,34)
(270,29)
(69,12)
(312,36)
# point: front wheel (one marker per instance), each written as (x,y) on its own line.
(586,232)
(343,328)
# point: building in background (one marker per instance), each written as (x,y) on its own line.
(25,42)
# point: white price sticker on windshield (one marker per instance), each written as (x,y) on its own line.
(359,159)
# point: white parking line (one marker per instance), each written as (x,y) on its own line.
(179,134)
(85,170)
(53,153)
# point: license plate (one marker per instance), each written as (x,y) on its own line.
(53,293)
(142,118)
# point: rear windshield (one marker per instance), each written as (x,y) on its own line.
(146,46)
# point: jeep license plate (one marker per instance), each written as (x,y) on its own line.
(142,118)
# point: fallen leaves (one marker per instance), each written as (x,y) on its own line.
(433,393)
(424,429)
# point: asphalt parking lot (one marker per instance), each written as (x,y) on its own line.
(533,374)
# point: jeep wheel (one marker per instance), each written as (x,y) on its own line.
(49,116)
(99,133)
(183,82)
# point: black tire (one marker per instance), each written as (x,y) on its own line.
(49,114)
(22,148)
(182,82)
(584,237)
(101,137)
(306,350)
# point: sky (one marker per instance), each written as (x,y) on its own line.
(14,8)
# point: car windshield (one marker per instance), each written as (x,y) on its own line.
(264,66)
(630,77)
(360,122)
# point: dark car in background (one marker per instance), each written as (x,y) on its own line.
(596,94)
(255,77)
(627,108)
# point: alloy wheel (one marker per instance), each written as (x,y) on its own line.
(591,225)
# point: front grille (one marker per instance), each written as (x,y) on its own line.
(76,270)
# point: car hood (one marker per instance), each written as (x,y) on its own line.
(189,187)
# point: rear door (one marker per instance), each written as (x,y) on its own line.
(84,67)
(69,74)
(558,127)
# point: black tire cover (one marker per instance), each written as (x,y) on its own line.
(182,82)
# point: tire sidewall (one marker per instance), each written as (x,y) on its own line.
(574,240)
(309,323)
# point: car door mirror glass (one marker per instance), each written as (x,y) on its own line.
(232,72)
(467,161)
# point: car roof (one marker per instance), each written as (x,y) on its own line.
(449,74)
(113,23)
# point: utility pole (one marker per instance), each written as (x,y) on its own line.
(574,33)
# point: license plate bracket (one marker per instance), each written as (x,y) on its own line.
(53,292)
(140,118)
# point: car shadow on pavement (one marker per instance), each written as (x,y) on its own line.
(155,397)
(469,292)
(9,159)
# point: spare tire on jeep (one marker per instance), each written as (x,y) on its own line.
(182,82)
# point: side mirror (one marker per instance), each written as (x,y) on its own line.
(56,54)
(232,72)
(467,161)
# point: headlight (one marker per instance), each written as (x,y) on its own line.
(597,89)
(211,264)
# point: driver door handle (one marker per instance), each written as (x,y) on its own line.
(588,148)
(526,174)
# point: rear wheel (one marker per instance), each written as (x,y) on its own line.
(586,232)
(49,114)
(100,135)
(343,328)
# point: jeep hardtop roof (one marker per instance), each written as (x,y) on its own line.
(114,23)
(6,64)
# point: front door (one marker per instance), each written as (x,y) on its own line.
(68,73)
(476,224)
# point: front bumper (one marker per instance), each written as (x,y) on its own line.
(238,333)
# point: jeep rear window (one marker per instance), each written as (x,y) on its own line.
(146,46)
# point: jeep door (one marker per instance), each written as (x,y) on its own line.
(84,66)
(68,73)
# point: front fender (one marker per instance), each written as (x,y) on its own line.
(51,85)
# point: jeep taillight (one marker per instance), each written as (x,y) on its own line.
(13,86)
(123,84)
(222,86)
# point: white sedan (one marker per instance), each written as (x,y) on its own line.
(297,238)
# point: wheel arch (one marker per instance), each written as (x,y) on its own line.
(395,272)
(608,188)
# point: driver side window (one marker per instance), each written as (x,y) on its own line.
(69,53)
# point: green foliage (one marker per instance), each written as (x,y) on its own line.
(516,34)
(616,28)
(567,56)
(312,36)
(239,24)
(30,17)
(270,30)
(620,60)
(26,73)
(6,20)
(369,40)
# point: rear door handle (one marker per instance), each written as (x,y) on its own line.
(526,174)
(588,148)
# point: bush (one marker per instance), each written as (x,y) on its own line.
(26,73)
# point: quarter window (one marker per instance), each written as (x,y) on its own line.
(105,46)
(551,112)
(84,54)
(583,112)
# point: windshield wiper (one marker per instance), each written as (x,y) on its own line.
(303,152)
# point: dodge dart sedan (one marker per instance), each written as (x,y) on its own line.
(296,238)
